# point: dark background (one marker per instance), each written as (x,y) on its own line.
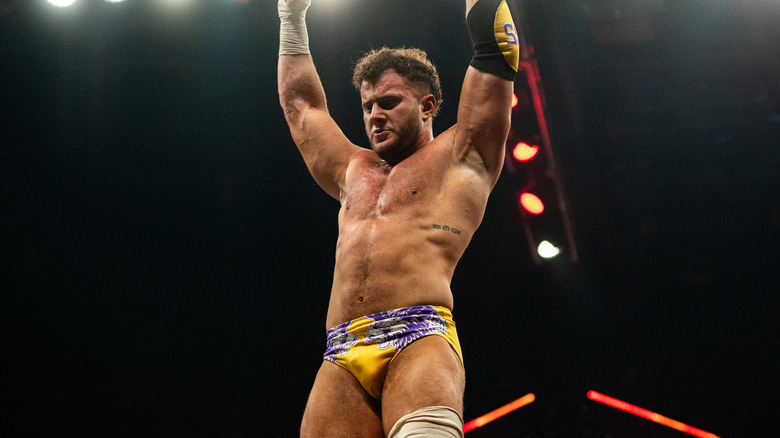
(166,258)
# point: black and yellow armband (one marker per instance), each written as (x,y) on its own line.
(493,33)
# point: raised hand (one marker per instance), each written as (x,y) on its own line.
(293,37)
(293,7)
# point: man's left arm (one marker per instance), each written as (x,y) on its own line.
(486,99)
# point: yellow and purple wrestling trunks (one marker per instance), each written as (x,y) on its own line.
(367,345)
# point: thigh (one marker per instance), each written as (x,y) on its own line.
(339,407)
(428,372)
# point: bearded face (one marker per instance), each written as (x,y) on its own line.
(393,113)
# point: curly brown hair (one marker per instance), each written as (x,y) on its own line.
(411,63)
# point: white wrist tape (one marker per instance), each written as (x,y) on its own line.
(293,36)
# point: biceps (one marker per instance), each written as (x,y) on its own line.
(324,148)
(484,115)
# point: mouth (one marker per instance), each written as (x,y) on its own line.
(381,135)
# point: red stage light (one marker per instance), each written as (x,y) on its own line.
(649,415)
(524,152)
(500,412)
(514,100)
(531,203)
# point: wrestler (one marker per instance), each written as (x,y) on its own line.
(409,207)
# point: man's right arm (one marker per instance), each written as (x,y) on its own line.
(324,148)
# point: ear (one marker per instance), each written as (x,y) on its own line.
(428,103)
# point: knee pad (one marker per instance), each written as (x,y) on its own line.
(431,421)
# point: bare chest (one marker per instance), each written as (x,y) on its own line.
(378,191)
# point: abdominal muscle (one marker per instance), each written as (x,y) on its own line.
(400,238)
(382,266)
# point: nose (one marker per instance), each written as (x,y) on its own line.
(377,116)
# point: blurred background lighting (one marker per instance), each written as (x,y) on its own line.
(524,152)
(531,203)
(648,415)
(547,250)
(498,413)
(62,3)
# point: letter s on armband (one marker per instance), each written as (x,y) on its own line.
(493,33)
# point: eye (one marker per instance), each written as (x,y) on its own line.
(389,102)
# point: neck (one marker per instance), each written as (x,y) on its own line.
(398,155)
(404,151)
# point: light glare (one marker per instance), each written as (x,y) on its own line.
(531,203)
(498,413)
(547,250)
(524,152)
(648,415)
(62,3)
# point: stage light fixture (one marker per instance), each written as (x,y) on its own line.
(648,415)
(537,180)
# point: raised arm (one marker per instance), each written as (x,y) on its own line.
(486,99)
(324,148)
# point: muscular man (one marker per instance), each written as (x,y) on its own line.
(409,207)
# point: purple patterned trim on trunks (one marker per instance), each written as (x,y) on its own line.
(339,341)
(390,329)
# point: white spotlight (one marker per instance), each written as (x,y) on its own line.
(547,250)
(62,3)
